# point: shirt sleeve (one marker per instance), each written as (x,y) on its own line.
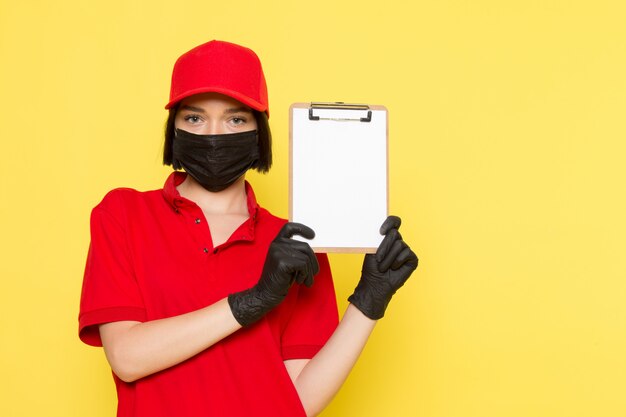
(315,316)
(110,291)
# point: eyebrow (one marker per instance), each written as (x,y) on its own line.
(227,111)
(192,108)
(238,110)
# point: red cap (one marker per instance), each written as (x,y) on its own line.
(220,67)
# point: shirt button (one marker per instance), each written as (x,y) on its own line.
(198,221)
(205,250)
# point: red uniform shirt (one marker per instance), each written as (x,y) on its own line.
(151,257)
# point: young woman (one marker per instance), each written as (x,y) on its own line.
(203,302)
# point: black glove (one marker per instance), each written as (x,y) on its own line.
(287,261)
(383,273)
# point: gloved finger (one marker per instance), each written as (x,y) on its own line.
(312,270)
(391,222)
(390,258)
(402,274)
(308,281)
(301,267)
(392,236)
(304,248)
(291,229)
(406,257)
(313,267)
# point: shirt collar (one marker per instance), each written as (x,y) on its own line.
(178,202)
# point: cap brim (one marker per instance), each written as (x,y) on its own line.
(233,94)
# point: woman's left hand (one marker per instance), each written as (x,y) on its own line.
(385,272)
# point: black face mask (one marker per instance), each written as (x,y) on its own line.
(215,161)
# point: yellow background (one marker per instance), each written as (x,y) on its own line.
(507,148)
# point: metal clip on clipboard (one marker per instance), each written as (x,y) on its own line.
(340,106)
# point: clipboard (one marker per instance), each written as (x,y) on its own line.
(338,174)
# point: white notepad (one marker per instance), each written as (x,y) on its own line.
(339,174)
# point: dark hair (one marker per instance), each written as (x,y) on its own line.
(263,128)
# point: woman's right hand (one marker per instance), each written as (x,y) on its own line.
(287,260)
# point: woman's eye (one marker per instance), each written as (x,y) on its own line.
(192,118)
(238,121)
